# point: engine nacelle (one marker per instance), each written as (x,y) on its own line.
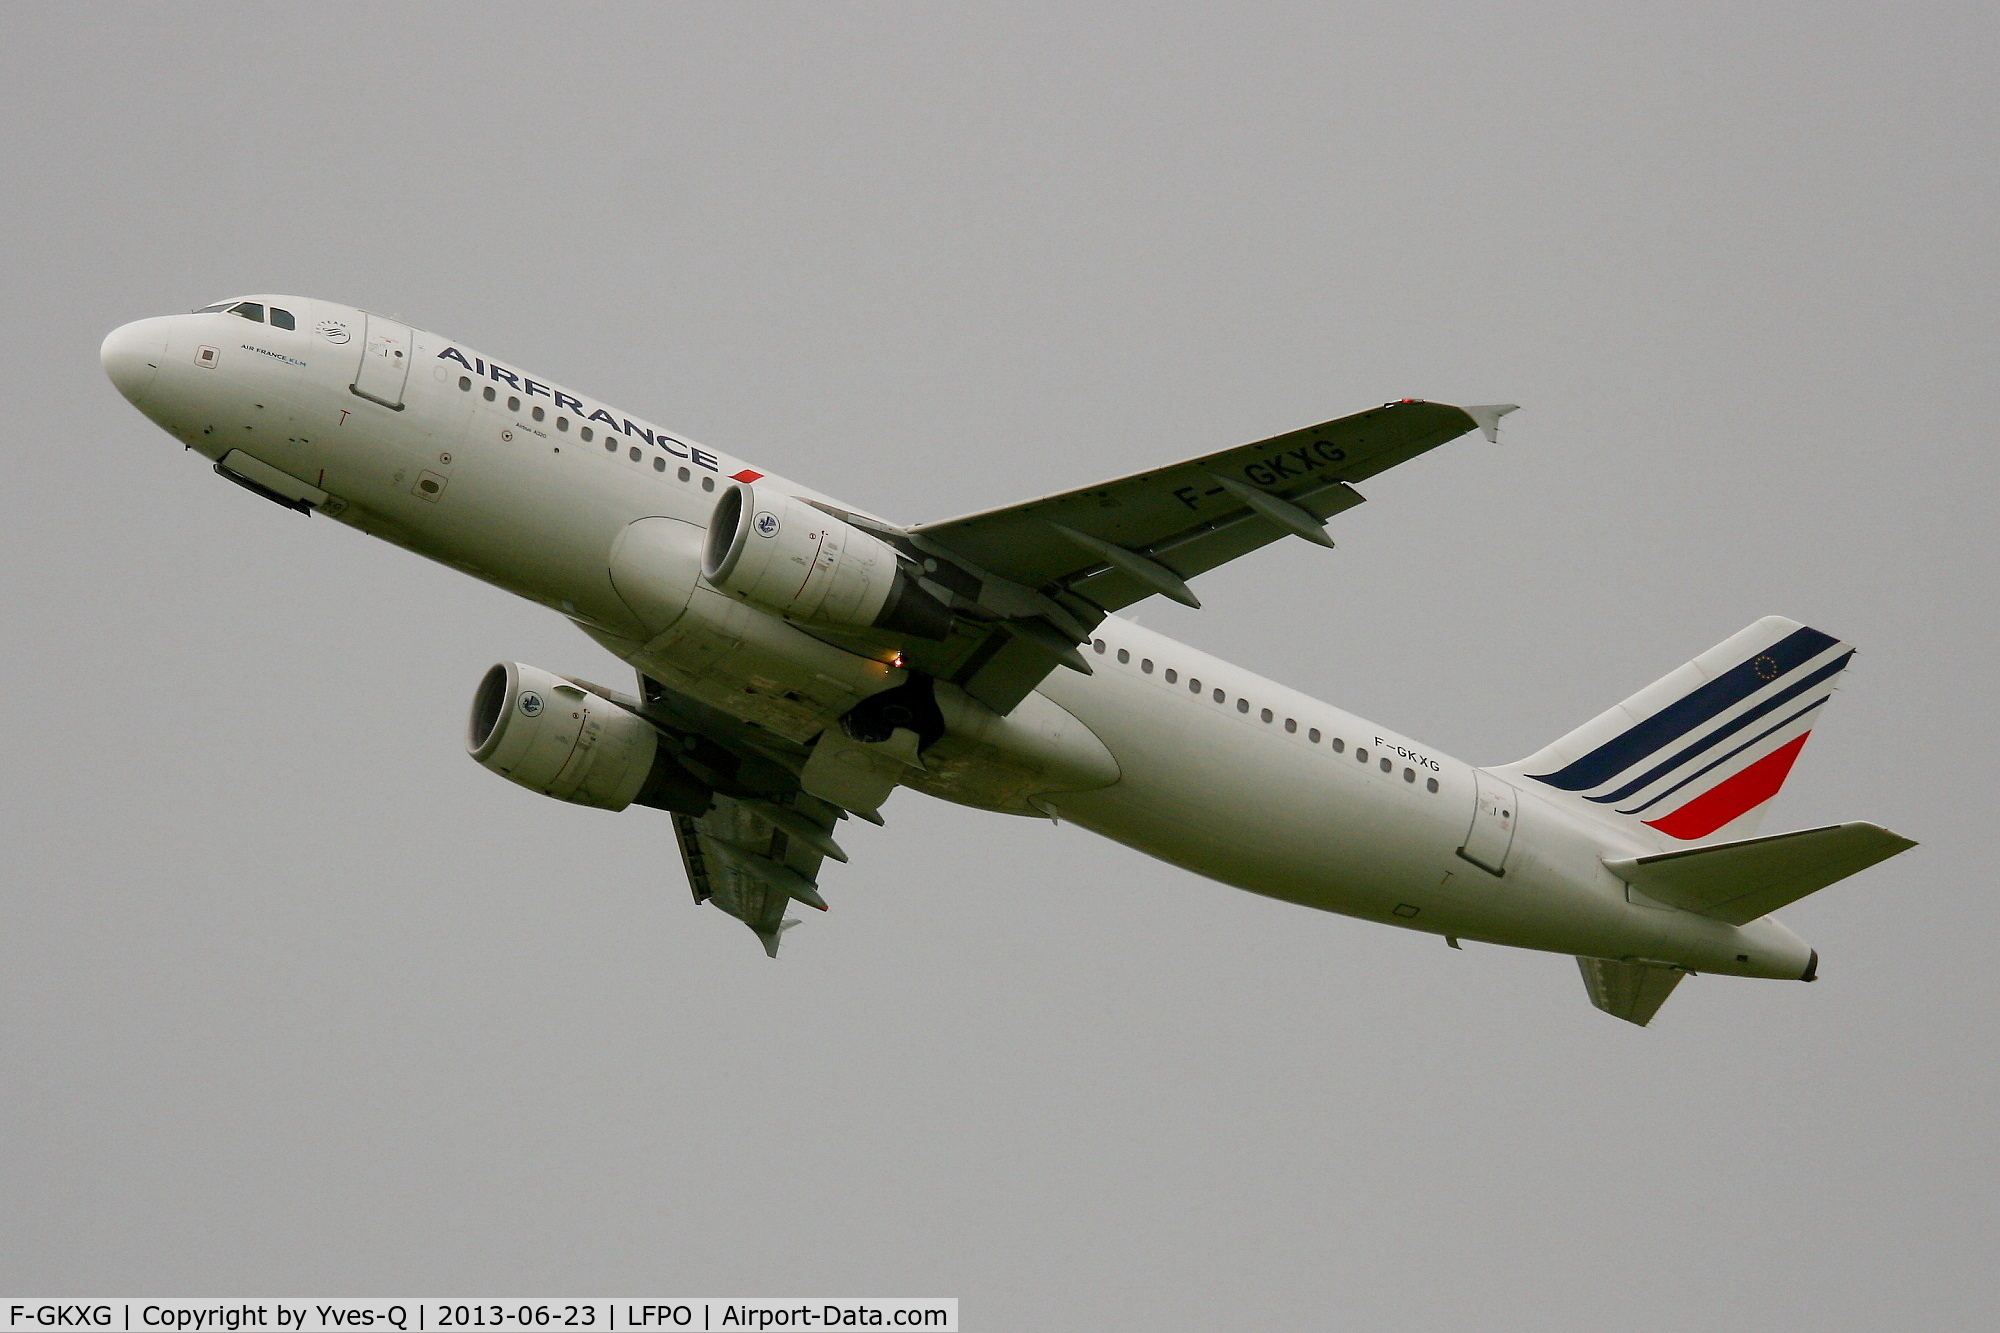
(784,555)
(553,736)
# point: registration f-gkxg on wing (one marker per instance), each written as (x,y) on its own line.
(799,659)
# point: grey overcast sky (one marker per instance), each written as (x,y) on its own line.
(298,1000)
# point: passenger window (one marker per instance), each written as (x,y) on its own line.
(1387,764)
(659,465)
(464,384)
(1292,725)
(1431,785)
(250,310)
(1097,645)
(1362,755)
(1313,735)
(282,319)
(586,435)
(1220,696)
(490,395)
(1146,665)
(633,453)
(513,403)
(1242,705)
(538,414)
(562,423)
(684,474)
(1265,715)
(708,483)
(1338,745)
(1173,676)
(1123,657)
(1409,775)
(1194,686)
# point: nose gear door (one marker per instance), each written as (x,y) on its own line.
(385,363)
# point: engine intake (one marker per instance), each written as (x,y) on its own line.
(784,555)
(553,736)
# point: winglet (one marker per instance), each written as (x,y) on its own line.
(1487,417)
(771,937)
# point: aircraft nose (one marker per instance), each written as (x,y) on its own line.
(132,354)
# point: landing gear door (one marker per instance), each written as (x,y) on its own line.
(385,362)
(1495,811)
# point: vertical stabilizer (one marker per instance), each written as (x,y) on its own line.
(1703,750)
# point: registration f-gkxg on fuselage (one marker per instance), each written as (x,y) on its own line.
(799,659)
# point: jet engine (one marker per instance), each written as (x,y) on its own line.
(553,736)
(782,554)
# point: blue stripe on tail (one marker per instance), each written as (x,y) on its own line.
(1724,732)
(1685,714)
(1769,731)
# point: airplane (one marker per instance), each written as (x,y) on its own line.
(798,659)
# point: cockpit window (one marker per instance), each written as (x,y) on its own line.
(282,319)
(211,309)
(250,310)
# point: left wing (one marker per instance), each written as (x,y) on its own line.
(755,857)
(1040,575)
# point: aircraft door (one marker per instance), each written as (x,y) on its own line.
(1495,811)
(385,362)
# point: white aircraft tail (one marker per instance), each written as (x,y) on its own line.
(1702,750)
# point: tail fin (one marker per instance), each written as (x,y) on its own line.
(1702,750)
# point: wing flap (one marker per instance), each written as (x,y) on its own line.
(1738,882)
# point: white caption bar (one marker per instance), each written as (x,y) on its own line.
(597,1315)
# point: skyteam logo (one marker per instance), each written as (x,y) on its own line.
(1721,748)
(766,524)
(531,704)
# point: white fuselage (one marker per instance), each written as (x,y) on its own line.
(1236,778)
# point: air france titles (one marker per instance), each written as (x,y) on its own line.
(567,402)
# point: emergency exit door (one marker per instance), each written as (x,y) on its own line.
(1495,811)
(385,362)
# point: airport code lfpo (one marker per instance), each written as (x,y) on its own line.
(596,1315)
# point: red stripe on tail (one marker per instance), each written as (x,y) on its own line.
(1733,797)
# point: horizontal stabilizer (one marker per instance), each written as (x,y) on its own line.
(1738,882)
(1631,991)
